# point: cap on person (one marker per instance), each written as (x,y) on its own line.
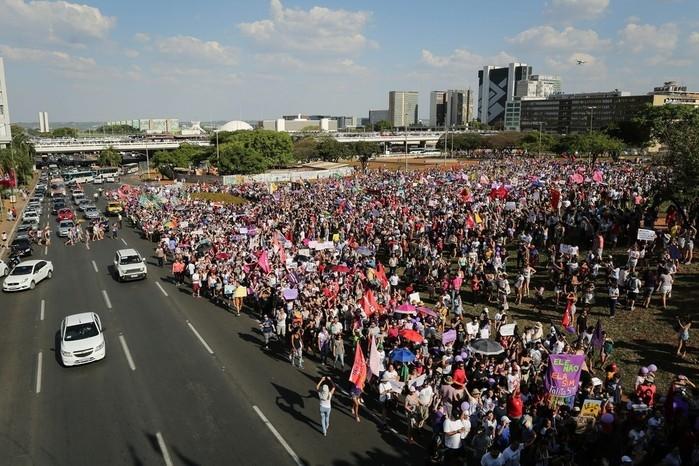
(626,460)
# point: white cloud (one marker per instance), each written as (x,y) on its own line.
(131,53)
(579,9)
(648,37)
(694,38)
(194,48)
(141,37)
(59,21)
(51,58)
(318,29)
(288,62)
(462,58)
(568,38)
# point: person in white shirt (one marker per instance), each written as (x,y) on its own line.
(492,458)
(453,428)
(511,455)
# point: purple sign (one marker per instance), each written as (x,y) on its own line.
(290,294)
(563,377)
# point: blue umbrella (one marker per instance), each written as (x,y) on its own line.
(402,355)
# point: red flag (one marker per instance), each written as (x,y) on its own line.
(470,224)
(358,374)
(555,198)
(381,275)
(369,304)
(263,262)
(566,319)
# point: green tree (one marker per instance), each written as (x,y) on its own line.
(64,132)
(182,157)
(530,142)
(236,158)
(20,156)
(109,157)
(305,149)
(505,140)
(364,150)
(463,142)
(117,129)
(676,127)
(595,144)
(274,146)
(383,125)
(330,150)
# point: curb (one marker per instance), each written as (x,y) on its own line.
(11,233)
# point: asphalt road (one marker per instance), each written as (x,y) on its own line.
(197,389)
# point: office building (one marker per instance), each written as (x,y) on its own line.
(402,108)
(438,108)
(300,125)
(5,130)
(496,86)
(377,115)
(538,86)
(44,122)
(151,125)
(671,93)
(576,113)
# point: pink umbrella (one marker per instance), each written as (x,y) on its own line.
(412,335)
(427,311)
(405,309)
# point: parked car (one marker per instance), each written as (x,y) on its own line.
(21,247)
(30,214)
(4,268)
(82,339)
(25,275)
(129,265)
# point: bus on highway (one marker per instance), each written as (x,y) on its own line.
(107,174)
(79,176)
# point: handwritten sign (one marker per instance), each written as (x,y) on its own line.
(591,408)
(645,235)
(562,378)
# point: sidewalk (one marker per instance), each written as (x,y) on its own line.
(10,227)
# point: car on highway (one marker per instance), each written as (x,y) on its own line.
(114,208)
(91,213)
(82,339)
(58,205)
(36,206)
(65,214)
(4,268)
(129,265)
(63,227)
(25,275)
(21,247)
(82,203)
(23,230)
(97,180)
(78,196)
(30,214)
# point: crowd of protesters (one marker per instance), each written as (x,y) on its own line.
(347,263)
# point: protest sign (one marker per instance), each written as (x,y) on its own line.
(562,378)
(591,408)
(305,252)
(414,297)
(508,330)
(325,245)
(243,231)
(645,235)
(313,244)
(511,205)
(568,249)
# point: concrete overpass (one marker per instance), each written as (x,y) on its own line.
(76,146)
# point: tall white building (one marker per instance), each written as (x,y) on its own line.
(538,85)
(402,108)
(5,131)
(44,122)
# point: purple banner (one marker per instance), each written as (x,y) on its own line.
(563,377)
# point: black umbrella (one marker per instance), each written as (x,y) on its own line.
(486,347)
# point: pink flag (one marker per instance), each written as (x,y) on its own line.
(263,262)
(374,360)
(597,176)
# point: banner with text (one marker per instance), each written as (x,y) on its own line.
(562,378)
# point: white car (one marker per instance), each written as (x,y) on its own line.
(97,180)
(129,265)
(31,215)
(82,340)
(4,268)
(27,274)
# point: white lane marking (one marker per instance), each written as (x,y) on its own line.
(106,299)
(124,241)
(203,342)
(87,245)
(161,288)
(163,449)
(43,305)
(281,440)
(94,266)
(46,250)
(39,363)
(129,359)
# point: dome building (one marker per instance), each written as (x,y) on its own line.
(235,125)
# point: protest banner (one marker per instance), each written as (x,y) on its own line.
(325,245)
(568,249)
(645,235)
(508,330)
(414,298)
(562,378)
(591,408)
(312,244)
(511,205)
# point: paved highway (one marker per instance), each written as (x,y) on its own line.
(184,382)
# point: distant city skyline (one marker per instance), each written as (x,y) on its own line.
(100,60)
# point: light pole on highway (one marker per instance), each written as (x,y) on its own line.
(405,131)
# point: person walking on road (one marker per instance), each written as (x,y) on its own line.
(326,390)
(160,255)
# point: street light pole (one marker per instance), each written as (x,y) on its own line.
(405,132)
(541,123)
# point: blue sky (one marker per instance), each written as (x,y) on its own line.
(221,60)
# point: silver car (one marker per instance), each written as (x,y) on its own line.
(91,213)
(63,227)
